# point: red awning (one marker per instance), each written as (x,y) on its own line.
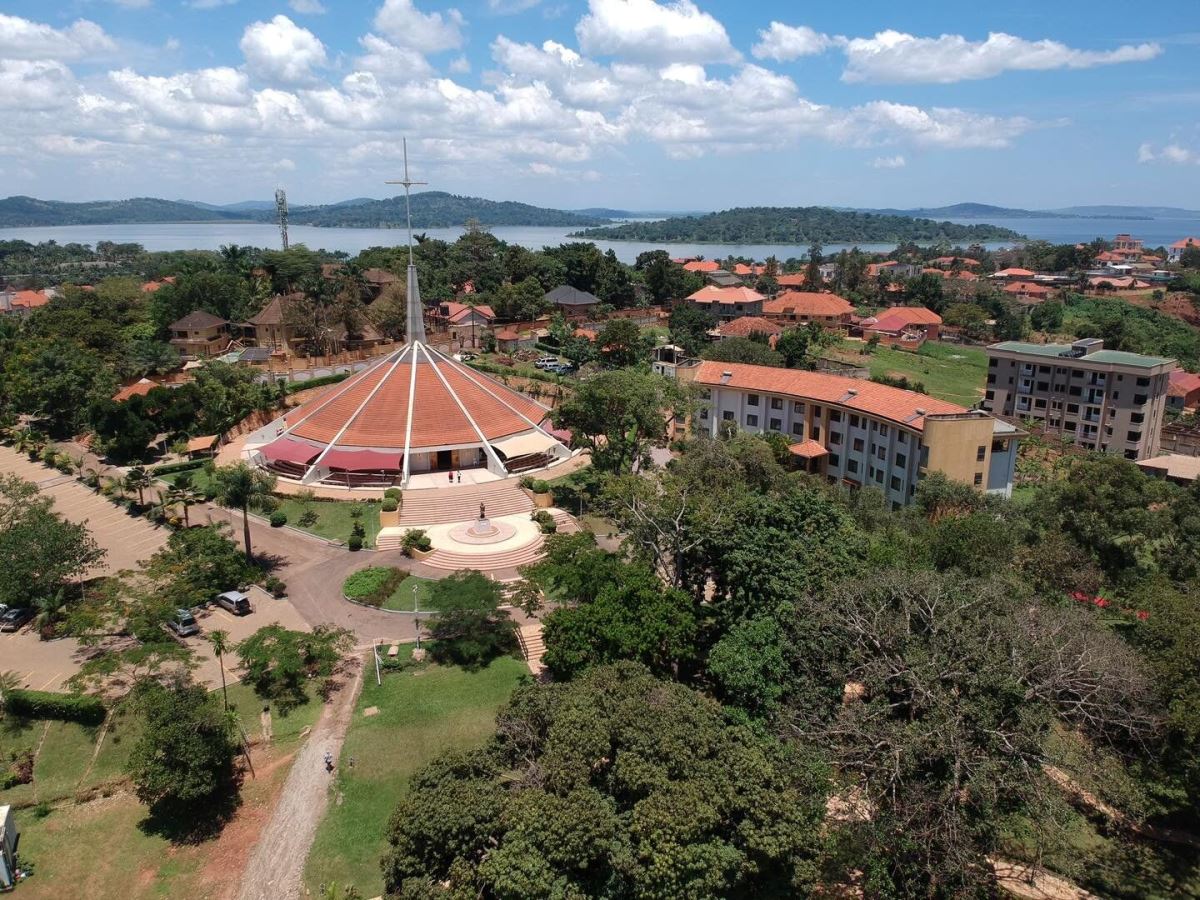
(288,450)
(808,449)
(363,461)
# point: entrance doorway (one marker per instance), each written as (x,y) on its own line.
(444,460)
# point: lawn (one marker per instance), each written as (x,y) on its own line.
(334,521)
(948,371)
(422,712)
(402,597)
(97,849)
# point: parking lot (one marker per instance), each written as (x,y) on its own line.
(46,665)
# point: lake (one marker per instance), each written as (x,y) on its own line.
(211,235)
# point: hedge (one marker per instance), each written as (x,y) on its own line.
(46,705)
(178,467)
(294,386)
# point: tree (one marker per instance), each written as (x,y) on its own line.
(742,350)
(42,552)
(197,564)
(279,662)
(812,271)
(182,765)
(629,616)
(244,487)
(471,630)
(619,414)
(620,343)
(614,785)
(689,326)
(182,494)
(793,346)
(138,479)
(665,280)
(219,641)
(9,682)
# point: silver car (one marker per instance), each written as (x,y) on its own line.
(183,623)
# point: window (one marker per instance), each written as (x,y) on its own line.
(901,460)
(997,446)
(797,407)
(883,431)
(816,412)
(777,424)
(1069,426)
(1077,373)
(895,483)
(833,460)
(1043,385)
(751,420)
(989,395)
(881,452)
(1131,454)
(835,415)
(852,465)
(858,445)
(1044,370)
(1075,390)
(878,476)
(1137,418)
(798,429)
(1072,409)
(1059,370)
(776,403)
(855,421)
(1039,403)
(727,416)
(706,394)
(895,505)
(980,453)
(1134,437)
(1139,399)
(1116,395)
(835,438)
(703,413)
(991,379)
(903,438)
(978,478)
(1143,382)
(752,399)
(993,362)
(815,432)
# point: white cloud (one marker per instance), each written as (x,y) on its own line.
(23,39)
(307,7)
(281,50)
(133,4)
(460,66)
(511,7)
(787,42)
(649,32)
(210,4)
(42,84)
(406,26)
(889,162)
(895,57)
(1173,153)
(392,63)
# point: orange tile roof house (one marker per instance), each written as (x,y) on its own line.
(728,303)
(1028,290)
(947,262)
(701,265)
(802,307)
(792,280)
(1183,390)
(904,325)
(860,433)
(21,302)
(139,388)
(1013,273)
(1175,251)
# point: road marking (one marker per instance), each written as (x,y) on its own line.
(53,678)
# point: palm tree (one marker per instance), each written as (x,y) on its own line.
(78,463)
(138,479)
(220,644)
(183,494)
(244,487)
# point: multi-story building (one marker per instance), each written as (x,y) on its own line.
(860,433)
(200,333)
(728,303)
(1105,400)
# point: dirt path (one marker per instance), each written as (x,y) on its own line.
(276,867)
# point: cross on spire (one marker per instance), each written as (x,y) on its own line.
(414,310)
(408,183)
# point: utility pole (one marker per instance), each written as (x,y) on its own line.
(281,209)
(416,313)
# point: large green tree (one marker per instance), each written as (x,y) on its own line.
(279,662)
(470,629)
(244,487)
(615,785)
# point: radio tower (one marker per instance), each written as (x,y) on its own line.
(281,208)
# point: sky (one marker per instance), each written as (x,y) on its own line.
(634,104)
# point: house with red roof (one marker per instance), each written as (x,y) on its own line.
(857,432)
(1012,273)
(803,307)
(792,280)
(1183,391)
(748,326)
(727,303)
(21,302)
(947,262)
(1175,251)
(464,321)
(139,388)
(703,266)
(905,327)
(1029,291)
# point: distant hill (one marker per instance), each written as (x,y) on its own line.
(970,211)
(437,209)
(18,212)
(1130,212)
(797,225)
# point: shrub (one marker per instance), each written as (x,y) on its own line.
(49,456)
(392,493)
(415,539)
(46,705)
(278,518)
(527,482)
(177,467)
(373,584)
(390,504)
(355,543)
(275,586)
(309,518)
(293,387)
(545,521)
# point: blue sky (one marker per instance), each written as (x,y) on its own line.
(627,103)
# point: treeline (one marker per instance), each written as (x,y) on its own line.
(791,225)
(433,209)
(23,212)
(779,688)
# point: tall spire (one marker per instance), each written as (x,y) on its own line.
(416,313)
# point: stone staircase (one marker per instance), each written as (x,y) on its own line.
(460,503)
(451,561)
(565,521)
(532,646)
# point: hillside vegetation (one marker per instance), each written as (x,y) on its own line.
(792,225)
(23,212)
(437,209)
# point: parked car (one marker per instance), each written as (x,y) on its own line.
(14,619)
(546,361)
(183,623)
(236,602)
(560,369)
(466,357)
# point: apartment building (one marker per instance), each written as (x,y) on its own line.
(728,303)
(859,433)
(1106,400)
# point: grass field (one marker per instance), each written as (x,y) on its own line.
(948,371)
(422,712)
(402,597)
